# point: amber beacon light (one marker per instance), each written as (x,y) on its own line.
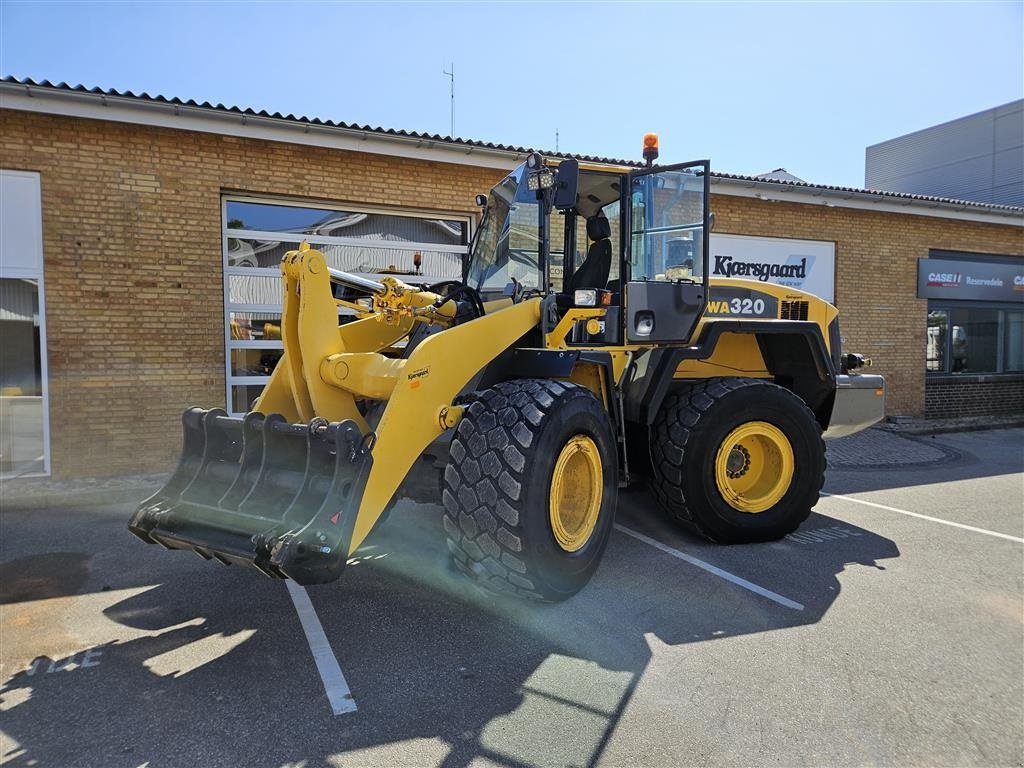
(650,148)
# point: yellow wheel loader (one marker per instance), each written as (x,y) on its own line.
(585,348)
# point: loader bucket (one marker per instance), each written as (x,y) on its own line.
(263,492)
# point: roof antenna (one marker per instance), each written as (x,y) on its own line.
(451,91)
(556,141)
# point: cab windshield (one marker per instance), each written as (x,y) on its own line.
(508,243)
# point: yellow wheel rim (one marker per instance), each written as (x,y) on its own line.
(754,467)
(577,483)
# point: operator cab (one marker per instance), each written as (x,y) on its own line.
(633,242)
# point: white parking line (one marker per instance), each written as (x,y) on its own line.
(987,532)
(712,569)
(335,685)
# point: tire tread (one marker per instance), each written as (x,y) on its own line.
(481,489)
(680,414)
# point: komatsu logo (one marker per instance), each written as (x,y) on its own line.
(762,270)
(944,279)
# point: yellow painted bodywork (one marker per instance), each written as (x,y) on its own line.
(738,354)
(557,338)
(591,376)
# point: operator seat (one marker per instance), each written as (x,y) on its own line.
(597,266)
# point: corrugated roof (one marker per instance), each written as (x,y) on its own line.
(175,101)
(456,141)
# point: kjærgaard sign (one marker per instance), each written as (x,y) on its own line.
(972,280)
(809,265)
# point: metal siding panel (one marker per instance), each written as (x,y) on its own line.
(1009,130)
(1008,194)
(963,159)
(1009,167)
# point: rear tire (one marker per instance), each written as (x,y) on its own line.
(513,441)
(737,460)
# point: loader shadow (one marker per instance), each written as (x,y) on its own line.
(441,674)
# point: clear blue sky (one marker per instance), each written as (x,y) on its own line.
(805,86)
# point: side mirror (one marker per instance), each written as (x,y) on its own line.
(567,178)
(481,200)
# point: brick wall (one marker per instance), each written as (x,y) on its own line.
(132,248)
(132,259)
(950,398)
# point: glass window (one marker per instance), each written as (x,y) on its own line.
(254,289)
(254,252)
(668,225)
(376,257)
(275,217)
(257,235)
(583,243)
(243,396)
(377,260)
(509,243)
(254,362)
(935,355)
(254,326)
(974,340)
(22,444)
(1013,341)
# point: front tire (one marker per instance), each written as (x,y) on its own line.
(529,489)
(737,460)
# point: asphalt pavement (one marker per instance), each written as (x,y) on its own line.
(888,630)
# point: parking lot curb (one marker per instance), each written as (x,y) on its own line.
(925,428)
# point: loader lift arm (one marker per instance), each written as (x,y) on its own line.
(237,496)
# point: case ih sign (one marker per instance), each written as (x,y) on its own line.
(970,280)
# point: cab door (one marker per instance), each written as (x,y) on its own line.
(666,251)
